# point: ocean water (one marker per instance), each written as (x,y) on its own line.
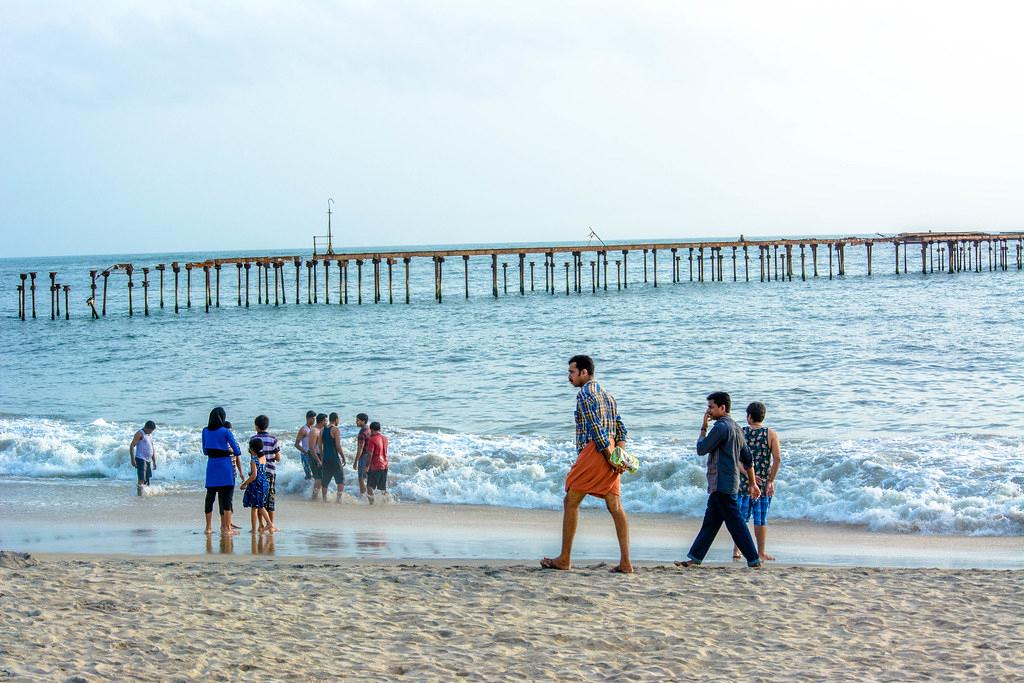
(899,400)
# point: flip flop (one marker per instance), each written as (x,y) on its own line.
(548,563)
(686,564)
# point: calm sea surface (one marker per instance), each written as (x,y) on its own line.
(899,400)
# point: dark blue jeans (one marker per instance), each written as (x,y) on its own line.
(722,507)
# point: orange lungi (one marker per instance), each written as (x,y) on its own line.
(592,474)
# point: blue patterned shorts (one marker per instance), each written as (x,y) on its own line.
(758,508)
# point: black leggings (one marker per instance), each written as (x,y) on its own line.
(223,493)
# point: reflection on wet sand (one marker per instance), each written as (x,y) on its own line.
(262,544)
(226,545)
(371,543)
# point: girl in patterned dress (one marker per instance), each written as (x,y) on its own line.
(257,488)
(763,444)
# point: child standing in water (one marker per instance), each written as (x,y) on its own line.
(763,444)
(257,487)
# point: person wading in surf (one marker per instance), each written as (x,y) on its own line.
(599,430)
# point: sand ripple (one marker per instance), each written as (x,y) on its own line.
(107,619)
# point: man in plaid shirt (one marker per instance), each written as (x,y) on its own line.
(599,430)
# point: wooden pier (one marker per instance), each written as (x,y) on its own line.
(776,260)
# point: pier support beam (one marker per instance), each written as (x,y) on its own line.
(700,264)
(465,272)
(131,286)
(238,283)
(566,278)
(216,269)
(327,283)
(504,278)
(868,246)
(32,290)
(625,269)
(675,266)
(405,262)
(746,264)
(494,275)
(206,288)
(391,292)
(618,274)
(604,256)
(359,281)
(53,300)
(188,286)
(896,247)
(145,292)
(159,267)
(376,281)
(440,278)
(531,276)
(654,263)
(67,303)
(814,257)
(734,277)
(829,260)
(803,263)
(522,274)
(175,268)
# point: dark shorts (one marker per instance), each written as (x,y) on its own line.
(333,470)
(364,463)
(144,469)
(271,491)
(316,470)
(377,480)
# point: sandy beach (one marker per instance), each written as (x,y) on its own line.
(94,618)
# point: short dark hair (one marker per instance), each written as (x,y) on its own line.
(256,444)
(583,363)
(721,399)
(228,424)
(320,417)
(363,416)
(756,411)
(149,425)
(262,422)
(333,417)
(375,426)
(310,413)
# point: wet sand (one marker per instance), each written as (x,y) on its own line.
(171,525)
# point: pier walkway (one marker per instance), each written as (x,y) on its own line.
(746,259)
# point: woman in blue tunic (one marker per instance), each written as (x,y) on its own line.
(221,449)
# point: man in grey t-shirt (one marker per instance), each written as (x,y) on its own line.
(728,460)
(142,454)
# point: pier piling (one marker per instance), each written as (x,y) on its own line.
(567,278)
(145,292)
(175,268)
(645,266)
(359,281)
(53,304)
(206,288)
(504,277)
(522,274)
(160,269)
(494,275)
(391,291)
(67,303)
(32,290)
(625,271)
(654,266)
(531,276)
(248,267)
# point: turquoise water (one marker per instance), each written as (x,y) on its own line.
(899,400)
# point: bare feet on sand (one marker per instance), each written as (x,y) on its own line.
(548,563)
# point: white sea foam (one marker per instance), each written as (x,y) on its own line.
(951,484)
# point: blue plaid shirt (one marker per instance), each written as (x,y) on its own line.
(597,418)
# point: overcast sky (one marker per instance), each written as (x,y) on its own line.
(158,126)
